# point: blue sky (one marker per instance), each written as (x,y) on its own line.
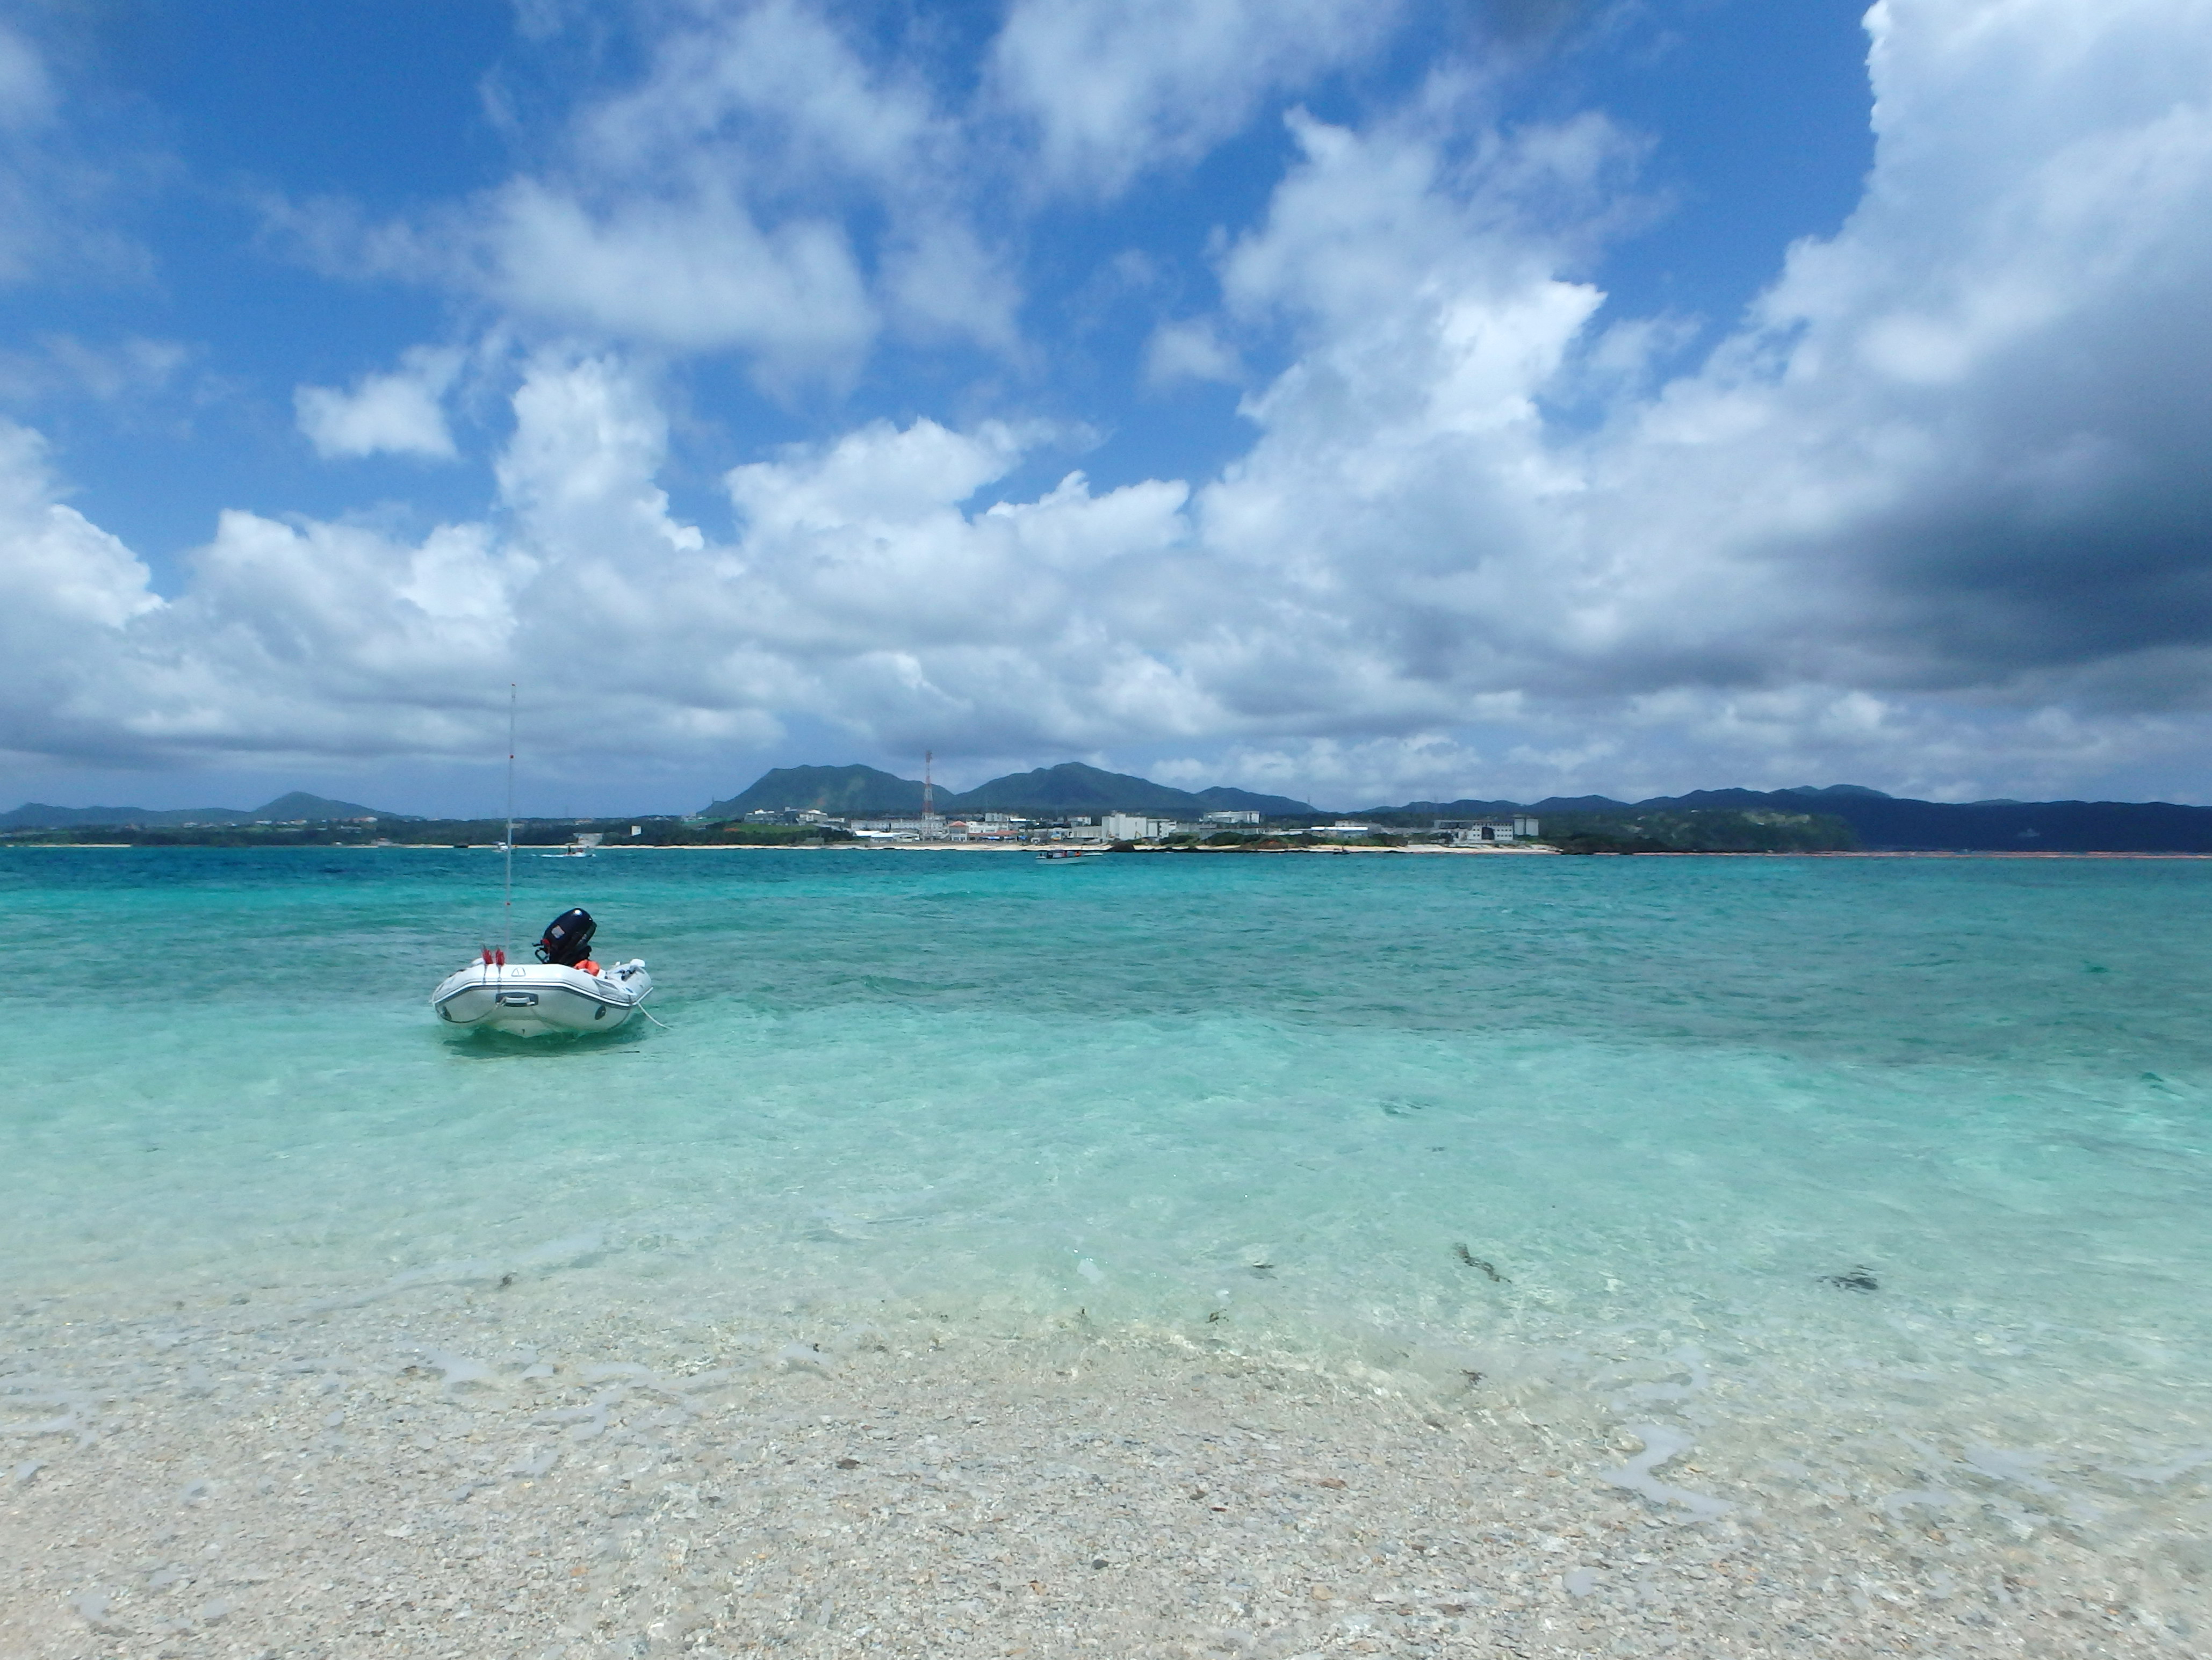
(1363,401)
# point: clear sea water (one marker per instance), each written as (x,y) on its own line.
(1293,1103)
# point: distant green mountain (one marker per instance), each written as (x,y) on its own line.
(297,807)
(41,815)
(1070,787)
(300,807)
(1222,798)
(1878,821)
(841,791)
(1074,788)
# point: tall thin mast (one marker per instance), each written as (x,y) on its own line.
(508,946)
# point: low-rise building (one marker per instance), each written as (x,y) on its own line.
(987,827)
(1488,832)
(926,829)
(1136,827)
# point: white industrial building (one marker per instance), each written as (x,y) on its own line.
(915,829)
(1488,832)
(1135,827)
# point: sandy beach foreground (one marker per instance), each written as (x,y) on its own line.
(475,1474)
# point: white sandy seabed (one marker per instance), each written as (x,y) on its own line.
(480,1468)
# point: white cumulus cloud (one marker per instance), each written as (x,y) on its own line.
(1111,89)
(401,413)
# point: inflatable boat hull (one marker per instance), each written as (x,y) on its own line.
(534,1001)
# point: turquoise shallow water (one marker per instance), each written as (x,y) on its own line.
(1297,1101)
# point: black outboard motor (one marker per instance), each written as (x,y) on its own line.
(568,939)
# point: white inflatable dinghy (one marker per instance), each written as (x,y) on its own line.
(529,1000)
(564,991)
